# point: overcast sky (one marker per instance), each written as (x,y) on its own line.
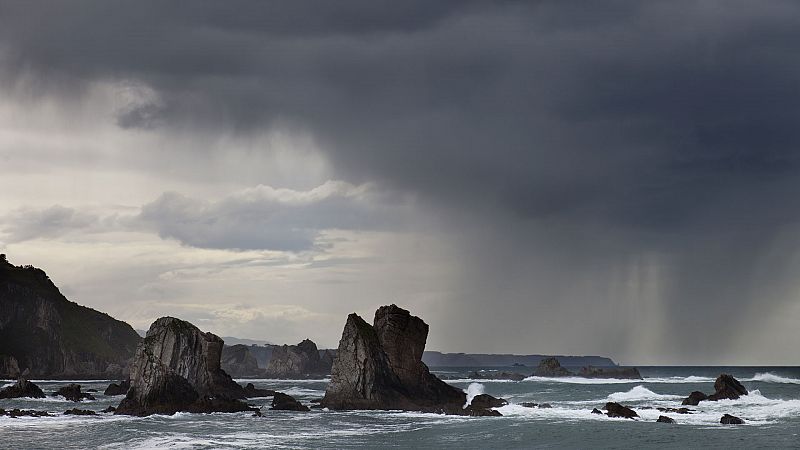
(612,178)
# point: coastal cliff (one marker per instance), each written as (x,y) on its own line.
(48,336)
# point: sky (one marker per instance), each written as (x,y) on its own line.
(613,178)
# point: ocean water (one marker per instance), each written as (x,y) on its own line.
(771,412)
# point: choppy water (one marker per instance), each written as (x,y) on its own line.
(771,412)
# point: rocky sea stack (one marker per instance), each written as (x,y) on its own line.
(550,367)
(298,361)
(380,366)
(22,388)
(44,335)
(177,368)
(725,387)
(238,362)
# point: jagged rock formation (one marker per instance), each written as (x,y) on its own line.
(22,388)
(550,367)
(484,401)
(616,410)
(238,362)
(118,389)
(380,367)
(50,337)
(297,361)
(725,387)
(285,402)
(73,392)
(626,373)
(177,368)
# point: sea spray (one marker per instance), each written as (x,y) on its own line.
(472,390)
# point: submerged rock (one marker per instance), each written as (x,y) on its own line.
(22,388)
(550,367)
(251,391)
(16,412)
(380,367)
(665,419)
(285,402)
(626,373)
(545,406)
(110,409)
(694,398)
(80,412)
(728,419)
(727,387)
(118,389)
(616,410)
(177,368)
(73,392)
(529,404)
(596,411)
(676,410)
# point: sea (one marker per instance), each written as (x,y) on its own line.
(771,413)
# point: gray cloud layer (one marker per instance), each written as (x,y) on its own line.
(558,141)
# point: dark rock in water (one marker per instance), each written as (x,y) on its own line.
(676,410)
(625,373)
(93,391)
(16,412)
(550,367)
(616,410)
(238,362)
(512,376)
(80,412)
(49,336)
(73,392)
(22,388)
(545,405)
(727,387)
(694,398)
(728,419)
(596,411)
(665,419)
(484,401)
(251,391)
(477,412)
(284,402)
(118,389)
(257,414)
(529,404)
(298,361)
(177,368)
(110,409)
(380,367)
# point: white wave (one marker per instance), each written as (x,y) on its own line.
(768,377)
(478,380)
(295,391)
(639,393)
(472,390)
(580,380)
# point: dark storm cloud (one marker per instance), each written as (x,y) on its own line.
(665,127)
